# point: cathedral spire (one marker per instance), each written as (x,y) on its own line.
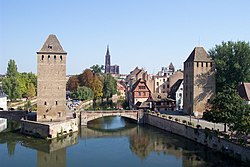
(107,61)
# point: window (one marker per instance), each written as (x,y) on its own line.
(144,93)
(45,103)
(180,94)
(167,86)
(42,57)
(61,58)
(206,64)
(54,57)
(49,46)
(59,114)
(163,86)
(163,80)
(56,103)
(201,64)
(48,57)
(197,64)
(168,79)
(44,116)
(211,65)
(157,83)
(139,93)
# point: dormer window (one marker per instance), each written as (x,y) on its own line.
(60,58)
(49,46)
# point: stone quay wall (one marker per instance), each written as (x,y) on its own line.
(199,136)
(49,130)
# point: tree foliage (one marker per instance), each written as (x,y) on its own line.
(96,87)
(31,91)
(86,78)
(109,86)
(97,69)
(72,83)
(83,93)
(232,62)
(10,84)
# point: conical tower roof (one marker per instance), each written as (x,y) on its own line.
(199,54)
(52,45)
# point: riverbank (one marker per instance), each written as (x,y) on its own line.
(202,136)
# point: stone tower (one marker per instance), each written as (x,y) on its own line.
(107,61)
(51,81)
(199,81)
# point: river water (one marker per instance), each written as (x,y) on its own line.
(109,142)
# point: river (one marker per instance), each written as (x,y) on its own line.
(109,142)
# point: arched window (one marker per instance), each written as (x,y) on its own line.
(42,57)
(61,58)
(54,57)
(56,103)
(45,103)
(48,57)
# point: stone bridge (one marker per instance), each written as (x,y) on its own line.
(13,115)
(87,116)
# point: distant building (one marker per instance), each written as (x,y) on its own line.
(199,81)
(109,69)
(244,91)
(51,81)
(121,88)
(3,106)
(140,92)
(176,93)
(161,102)
(165,78)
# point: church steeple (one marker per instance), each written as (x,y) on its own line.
(107,61)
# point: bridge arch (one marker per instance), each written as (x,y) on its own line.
(92,115)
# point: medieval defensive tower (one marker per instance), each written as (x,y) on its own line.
(51,81)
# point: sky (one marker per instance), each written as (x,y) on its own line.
(145,33)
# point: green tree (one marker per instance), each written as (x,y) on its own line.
(11,87)
(83,93)
(232,62)
(27,106)
(225,108)
(12,69)
(109,86)
(31,91)
(96,69)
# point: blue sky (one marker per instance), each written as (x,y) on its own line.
(144,33)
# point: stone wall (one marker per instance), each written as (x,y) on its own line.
(49,130)
(199,135)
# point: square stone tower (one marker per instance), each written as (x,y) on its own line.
(199,81)
(51,81)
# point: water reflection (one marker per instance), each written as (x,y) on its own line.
(111,141)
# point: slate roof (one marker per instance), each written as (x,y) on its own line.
(174,88)
(52,45)
(199,54)
(136,84)
(160,97)
(244,91)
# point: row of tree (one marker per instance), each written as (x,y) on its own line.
(17,85)
(232,62)
(92,84)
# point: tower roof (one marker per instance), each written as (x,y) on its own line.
(107,53)
(198,54)
(171,65)
(52,45)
